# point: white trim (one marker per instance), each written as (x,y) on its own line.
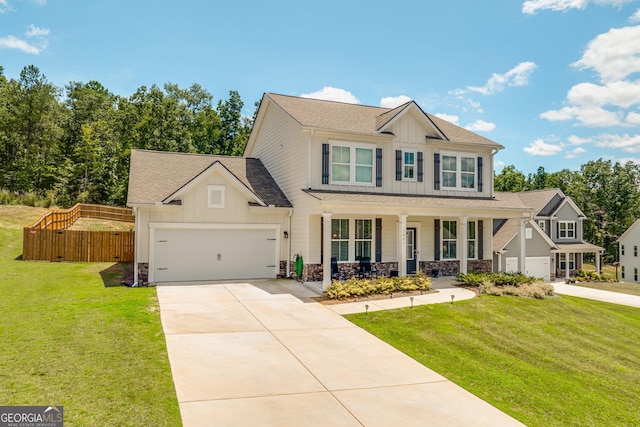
(459,155)
(414,165)
(566,237)
(353,146)
(457,238)
(221,190)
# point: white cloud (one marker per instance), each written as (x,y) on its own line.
(34,31)
(624,160)
(633,118)
(635,17)
(480,126)
(622,94)
(614,55)
(586,116)
(394,101)
(532,6)
(576,140)
(5,6)
(451,118)
(627,143)
(541,148)
(574,153)
(517,76)
(11,42)
(329,93)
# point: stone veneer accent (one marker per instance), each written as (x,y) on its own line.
(484,265)
(283,269)
(444,268)
(313,272)
(143,273)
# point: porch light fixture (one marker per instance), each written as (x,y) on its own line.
(286,234)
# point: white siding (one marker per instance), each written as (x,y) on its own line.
(629,260)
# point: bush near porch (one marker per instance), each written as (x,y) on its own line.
(515,284)
(384,285)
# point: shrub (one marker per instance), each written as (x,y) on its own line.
(515,284)
(383,285)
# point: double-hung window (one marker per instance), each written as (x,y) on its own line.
(409,165)
(471,240)
(458,171)
(352,164)
(563,261)
(363,238)
(566,230)
(449,239)
(340,239)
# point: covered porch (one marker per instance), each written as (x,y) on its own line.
(569,257)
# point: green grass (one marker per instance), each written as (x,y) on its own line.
(69,337)
(556,362)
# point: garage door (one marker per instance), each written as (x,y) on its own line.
(538,267)
(187,254)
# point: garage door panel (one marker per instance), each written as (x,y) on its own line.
(538,267)
(214,254)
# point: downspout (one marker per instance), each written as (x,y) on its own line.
(289,244)
(310,158)
(135,247)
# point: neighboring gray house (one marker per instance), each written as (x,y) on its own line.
(553,237)
(629,243)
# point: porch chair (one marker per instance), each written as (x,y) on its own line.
(336,273)
(365,269)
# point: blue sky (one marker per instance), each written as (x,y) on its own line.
(557,82)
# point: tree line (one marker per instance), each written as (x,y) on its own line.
(607,193)
(72,144)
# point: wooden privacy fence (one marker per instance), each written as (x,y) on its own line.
(48,239)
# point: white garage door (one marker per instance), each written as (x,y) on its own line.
(186,254)
(538,267)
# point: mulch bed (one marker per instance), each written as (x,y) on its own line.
(330,301)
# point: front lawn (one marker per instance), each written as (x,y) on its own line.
(71,338)
(556,362)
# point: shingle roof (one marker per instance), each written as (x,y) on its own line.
(339,116)
(538,199)
(505,233)
(156,175)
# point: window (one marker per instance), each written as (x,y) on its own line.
(471,240)
(572,261)
(340,239)
(635,250)
(215,196)
(364,236)
(541,223)
(622,249)
(449,239)
(528,233)
(351,164)
(622,271)
(635,274)
(567,230)
(458,171)
(409,165)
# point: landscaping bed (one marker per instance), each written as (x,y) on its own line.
(355,289)
(502,284)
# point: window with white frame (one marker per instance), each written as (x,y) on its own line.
(566,230)
(472,240)
(351,164)
(572,261)
(541,224)
(363,238)
(449,239)
(409,165)
(458,171)
(340,239)
(215,196)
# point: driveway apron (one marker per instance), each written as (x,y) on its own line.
(253,354)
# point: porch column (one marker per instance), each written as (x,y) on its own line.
(499,262)
(567,270)
(463,244)
(523,246)
(402,245)
(326,250)
(597,262)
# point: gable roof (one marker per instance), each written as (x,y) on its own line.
(510,229)
(156,177)
(340,116)
(628,230)
(539,199)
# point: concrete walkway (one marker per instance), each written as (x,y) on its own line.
(596,294)
(265,354)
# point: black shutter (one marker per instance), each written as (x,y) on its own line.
(480,239)
(420,167)
(480,174)
(378,167)
(321,239)
(436,171)
(325,163)
(398,165)
(436,240)
(378,239)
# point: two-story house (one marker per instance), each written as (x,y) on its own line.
(553,238)
(628,244)
(322,180)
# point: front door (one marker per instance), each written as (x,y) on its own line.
(411,251)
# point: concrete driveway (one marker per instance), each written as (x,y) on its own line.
(596,294)
(265,354)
